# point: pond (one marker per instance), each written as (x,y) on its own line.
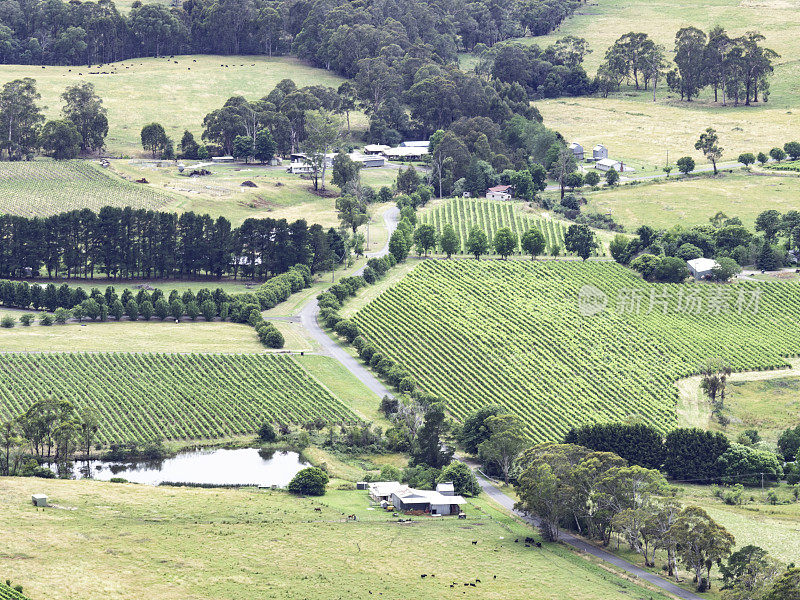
(246,466)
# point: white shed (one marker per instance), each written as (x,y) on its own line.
(606,164)
(701,268)
(577,151)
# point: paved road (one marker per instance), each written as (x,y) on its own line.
(582,546)
(309,313)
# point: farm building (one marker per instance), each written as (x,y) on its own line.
(599,152)
(415,144)
(381,491)
(406,152)
(375,149)
(301,166)
(432,502)
(577,151)
(701,268)
(606,164)
(222,159)
(369,160)
(500,192)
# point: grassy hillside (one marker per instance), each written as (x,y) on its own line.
(694,201)
(640,131)
(141,397)
(513,333)
(176,92)
(188,544)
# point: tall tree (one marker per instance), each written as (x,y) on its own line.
(505,442)
(85,109)
(708,144)
(324,130)
(20,117)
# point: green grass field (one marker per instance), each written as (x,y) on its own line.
(137,336)
(139,91)
(776,528)
(490,215)
(180,543)
(142,397)
(512,333)
(694,201)
(640,131)
(45,187)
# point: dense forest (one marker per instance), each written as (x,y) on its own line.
(334,34)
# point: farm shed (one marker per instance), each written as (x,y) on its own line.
(426,501)
(577,151)
(382,490)
(606,164)
(369,161)
(701,268)
(39,500)
(406,153)
(599,152)
(500,192)
(375,149)
(416,144)
(446,488)
(222,159)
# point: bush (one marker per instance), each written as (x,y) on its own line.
(464,480)
(61,315)
(118,480)
(266,433)
(27,319)
(311,481)
(8,322)
(45,320)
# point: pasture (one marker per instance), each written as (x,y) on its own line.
(44,187)
(176,92)
(522,334)
(776,528)
(181,543)
(139,336)
(641,131)
(147,397)
(490,215)
(693,201)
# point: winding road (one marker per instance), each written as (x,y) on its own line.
(309,313)
(308,317)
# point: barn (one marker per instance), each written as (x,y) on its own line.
(577,151)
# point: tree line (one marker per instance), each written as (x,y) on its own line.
(82,128)
(736,68)
(64,33)
(137,243)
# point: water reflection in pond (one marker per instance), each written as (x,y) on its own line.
(213,467)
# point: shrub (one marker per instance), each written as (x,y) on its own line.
(8,322)
(266,433)
(26,319)
(45,320)
(463,479)
(310,481)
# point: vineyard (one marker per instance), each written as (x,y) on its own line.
(512,333)
(9,593)
(465,213)
(42,188)
(144,397)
